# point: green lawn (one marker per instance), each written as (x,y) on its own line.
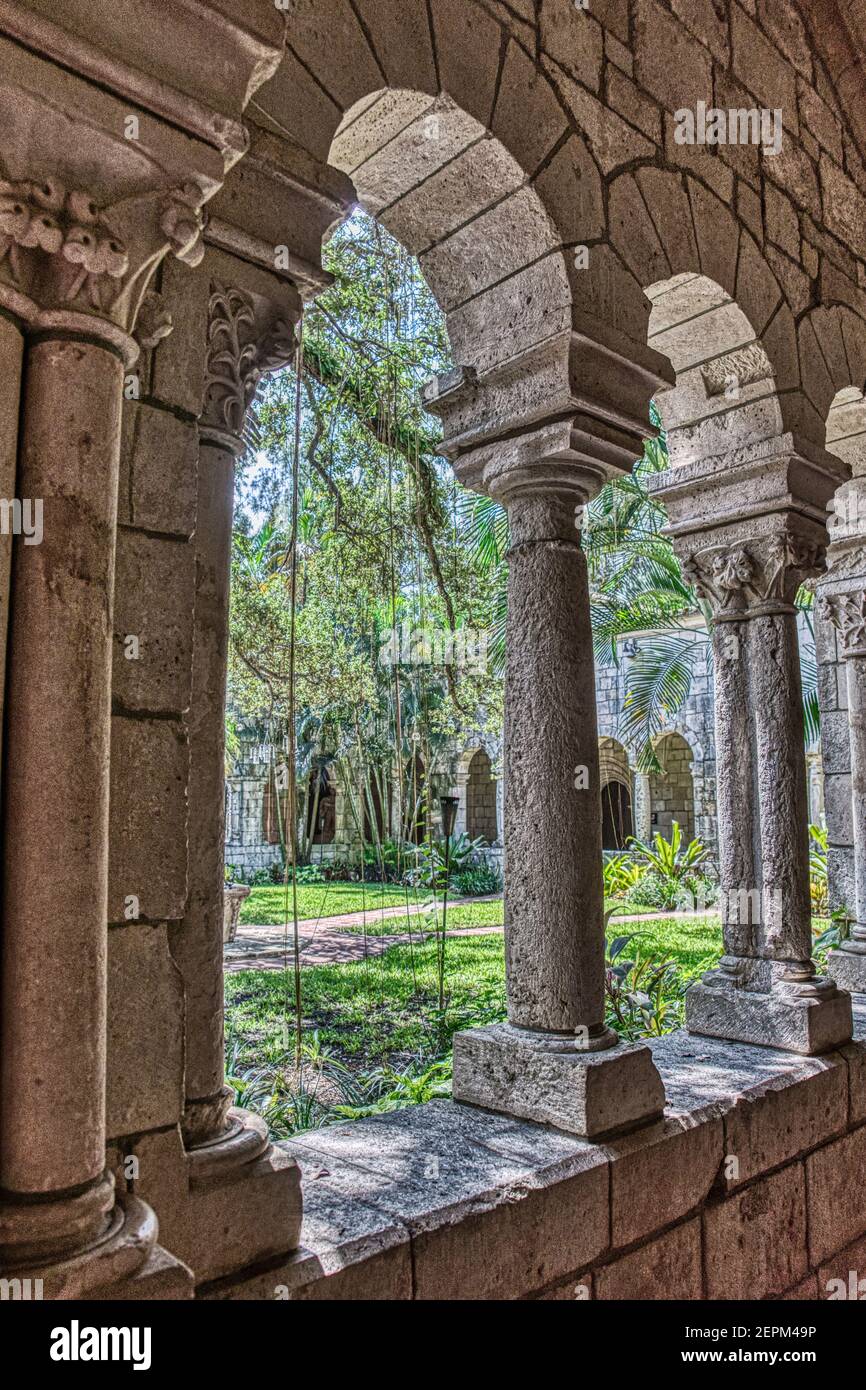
(267,906)
(461,914)
(384,1010)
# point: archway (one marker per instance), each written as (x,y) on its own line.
(481,819)
(617,820)
(321,807)
(617,813)
(672,791)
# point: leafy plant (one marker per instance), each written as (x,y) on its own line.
(430,871)
(477,882)
(622,874)
(671,861)
(818,880)
(838,931)
(644,995)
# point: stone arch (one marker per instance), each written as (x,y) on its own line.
(719,313)
(512,160)
(481,790)
(617,811)
(455,196)
(672,791)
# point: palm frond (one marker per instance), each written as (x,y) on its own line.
(657,684)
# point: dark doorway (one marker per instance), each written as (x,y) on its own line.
(617,822)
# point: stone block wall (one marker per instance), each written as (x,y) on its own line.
(672,790)
(151,691)
(747,1190)
(481,818)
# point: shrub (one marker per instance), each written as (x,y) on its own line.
(622,874)
(671,863)
(644,996)
(477,881)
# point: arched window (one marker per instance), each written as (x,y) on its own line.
(481,799)
(672,791)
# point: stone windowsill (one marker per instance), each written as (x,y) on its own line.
(445,1201)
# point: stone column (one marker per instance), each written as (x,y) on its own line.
(766,989)
(643,808)
(75,287)
(846,610)
(555,1060)
(247,336)
(11,353)
(815,774)
(52,1127)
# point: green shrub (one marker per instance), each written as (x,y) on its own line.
(477,882)
(818,880)
(670,863)
(622,874)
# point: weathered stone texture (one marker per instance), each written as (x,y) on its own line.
(756,1240)
(834,1219)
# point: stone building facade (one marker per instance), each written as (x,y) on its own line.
(467,768)
(685,788)
(589,255)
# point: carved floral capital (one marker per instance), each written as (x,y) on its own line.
(245,341)
(760,577)
(59,250)
(847,613)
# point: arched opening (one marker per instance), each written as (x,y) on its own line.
(617,814)
(415,803)
(377,806)
(617,819)
(672,791)
(273,808)
(481,799)
(321,807)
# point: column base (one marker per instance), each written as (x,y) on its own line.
(116,1259)
(806,1023)
(847,970)
(223,1205)
(549,1078)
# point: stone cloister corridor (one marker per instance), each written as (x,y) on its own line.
(597,239)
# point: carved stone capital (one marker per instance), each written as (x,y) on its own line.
(757,578)
(61,253)
(247,337)
(154,321)
(847,613)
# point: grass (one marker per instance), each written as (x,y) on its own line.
(462,914)
(267,906)
(383,1011)
(374,1012)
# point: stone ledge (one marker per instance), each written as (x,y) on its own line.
(449,1201)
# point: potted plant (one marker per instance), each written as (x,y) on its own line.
(233,896)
